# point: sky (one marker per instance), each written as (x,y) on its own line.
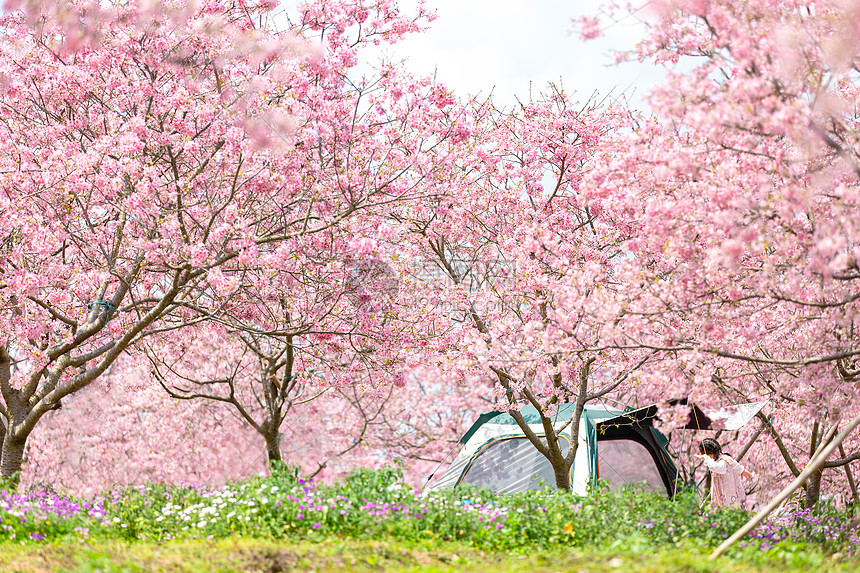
(508,46)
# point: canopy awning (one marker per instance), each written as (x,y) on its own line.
(731,418)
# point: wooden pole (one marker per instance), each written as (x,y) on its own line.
(814,465)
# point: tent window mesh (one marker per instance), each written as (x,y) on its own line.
(512,465)
(622,462)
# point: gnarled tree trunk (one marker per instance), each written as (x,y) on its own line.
(11,449)
(12,458)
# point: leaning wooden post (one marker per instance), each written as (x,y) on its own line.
(814,465)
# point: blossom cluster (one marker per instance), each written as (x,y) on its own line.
(35,514)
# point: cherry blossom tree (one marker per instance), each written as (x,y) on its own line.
(522,276)
(334,339)
(155,438)
(269,381)
(153,151)
(150,438)
(742,189)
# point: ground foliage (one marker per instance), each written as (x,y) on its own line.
(255,555)
(376,505)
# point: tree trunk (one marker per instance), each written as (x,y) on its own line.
(273,448)
(851,484)
(12,458)
(812,487)
(813,490)
(561,470)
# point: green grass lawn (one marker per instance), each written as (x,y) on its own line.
(250,555)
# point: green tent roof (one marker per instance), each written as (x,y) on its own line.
(531,416)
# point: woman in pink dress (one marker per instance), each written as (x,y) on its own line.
(727,487)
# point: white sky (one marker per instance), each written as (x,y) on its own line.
(506,46)
(477,45)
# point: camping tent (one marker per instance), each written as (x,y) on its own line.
(612,447)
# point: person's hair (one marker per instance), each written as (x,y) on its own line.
(710,446)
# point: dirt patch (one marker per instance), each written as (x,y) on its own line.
(269,560)
(41,560)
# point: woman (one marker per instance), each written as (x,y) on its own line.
(727,487)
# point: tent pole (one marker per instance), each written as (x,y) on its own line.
(683,441)
(433,473)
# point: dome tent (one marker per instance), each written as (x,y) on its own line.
(614,446)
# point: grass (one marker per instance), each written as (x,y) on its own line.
(372,522)
(255,555)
